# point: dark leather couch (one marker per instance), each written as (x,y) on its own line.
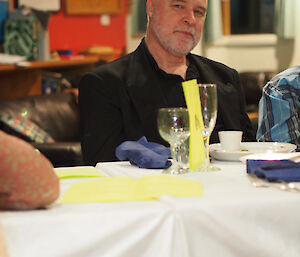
(58,116)
(253,83)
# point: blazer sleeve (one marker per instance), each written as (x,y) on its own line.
(100,118)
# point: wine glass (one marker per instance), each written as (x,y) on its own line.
(173,126)
(208,98)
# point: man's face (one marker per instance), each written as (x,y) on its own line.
(177,24)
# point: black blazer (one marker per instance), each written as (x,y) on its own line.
(119,102)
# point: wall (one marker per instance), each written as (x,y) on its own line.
(247,53)
(257,52)
(78,32)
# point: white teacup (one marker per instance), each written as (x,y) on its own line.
(230,140)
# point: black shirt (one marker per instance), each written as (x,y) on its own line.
(172,88)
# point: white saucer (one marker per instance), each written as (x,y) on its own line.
(271,157)
(247,148)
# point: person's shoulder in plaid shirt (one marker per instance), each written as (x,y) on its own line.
(279,109)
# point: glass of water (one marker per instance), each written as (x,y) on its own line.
(208,98)
(173,126)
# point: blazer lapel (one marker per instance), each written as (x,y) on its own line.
(226,90)
(145,94)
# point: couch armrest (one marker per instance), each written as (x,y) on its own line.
(61,154)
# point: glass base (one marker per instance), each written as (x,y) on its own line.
(175,170)
(208,168)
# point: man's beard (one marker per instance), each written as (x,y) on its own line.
(176,46)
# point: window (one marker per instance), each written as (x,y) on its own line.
(252,16)
(139,17)
(238,16)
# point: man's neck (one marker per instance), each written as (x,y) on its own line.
(166,61)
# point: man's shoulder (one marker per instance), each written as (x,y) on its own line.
(293,71)
(215,71)
(287,78)
(211,63)
(117,68)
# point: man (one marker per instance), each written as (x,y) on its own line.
(279,109)
(119,100)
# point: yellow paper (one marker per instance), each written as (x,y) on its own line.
(154,186)
(120,189)
(192,98)
(78,172)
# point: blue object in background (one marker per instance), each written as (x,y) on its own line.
(3,16)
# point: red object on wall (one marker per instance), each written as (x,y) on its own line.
(76,32)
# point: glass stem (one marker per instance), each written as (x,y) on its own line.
(206,150)
(174,152)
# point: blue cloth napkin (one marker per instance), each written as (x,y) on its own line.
(279,170)
(144,154)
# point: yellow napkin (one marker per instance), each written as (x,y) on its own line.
(78,172)
(192,98)
(119,189)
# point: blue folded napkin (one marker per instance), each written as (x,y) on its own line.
(144,154)
(279,170)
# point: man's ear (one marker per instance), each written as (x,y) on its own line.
(149,8)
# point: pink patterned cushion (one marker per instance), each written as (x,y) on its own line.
(26,128)
(27,178)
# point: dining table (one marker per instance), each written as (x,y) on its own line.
(232,218)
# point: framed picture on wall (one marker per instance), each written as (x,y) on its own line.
(87,7)
(41,5)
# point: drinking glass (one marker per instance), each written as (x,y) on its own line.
(208,98)
(173,126)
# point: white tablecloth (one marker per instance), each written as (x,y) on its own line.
(233,218)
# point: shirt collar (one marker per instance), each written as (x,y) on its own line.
(191,72)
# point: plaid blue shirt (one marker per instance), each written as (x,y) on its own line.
(279,109)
